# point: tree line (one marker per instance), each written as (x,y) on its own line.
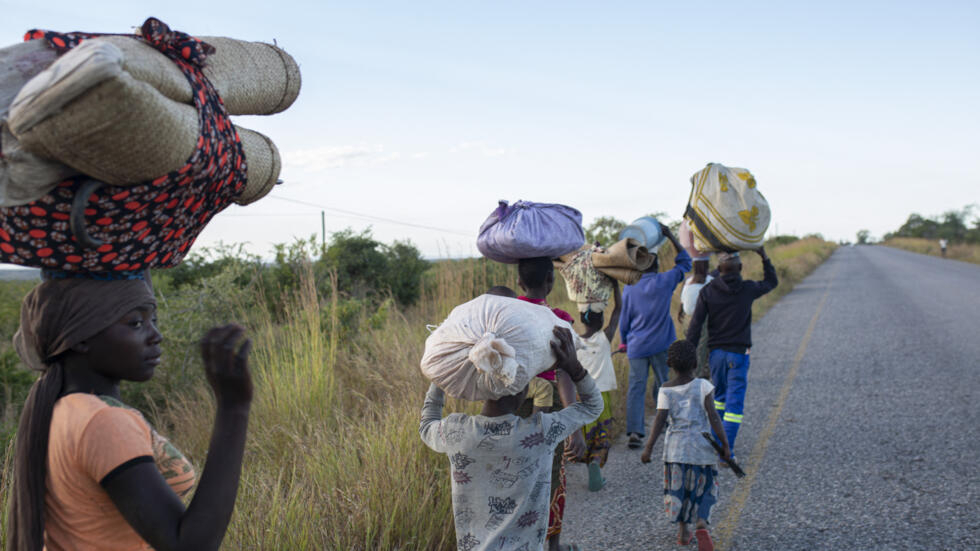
(955,226)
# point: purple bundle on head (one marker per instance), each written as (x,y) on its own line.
(530,230)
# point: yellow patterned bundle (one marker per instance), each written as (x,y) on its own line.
(726,211)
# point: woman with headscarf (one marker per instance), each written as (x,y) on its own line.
(90,472)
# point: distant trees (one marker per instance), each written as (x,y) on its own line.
(954,225)
(863,237)
(362,268)
(605,229)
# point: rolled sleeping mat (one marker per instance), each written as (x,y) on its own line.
(252,78)
(264,164)
(24,176)
(147,64)
(87,112)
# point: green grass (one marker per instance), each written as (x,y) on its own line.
(333,459)
(967,252)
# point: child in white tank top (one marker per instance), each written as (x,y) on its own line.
(690,473)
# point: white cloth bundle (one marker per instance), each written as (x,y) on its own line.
(726,211)
(490,347)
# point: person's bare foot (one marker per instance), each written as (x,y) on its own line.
(683,534)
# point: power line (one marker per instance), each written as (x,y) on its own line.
(373,218)
(270,215)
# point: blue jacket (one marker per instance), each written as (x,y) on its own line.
(645,326)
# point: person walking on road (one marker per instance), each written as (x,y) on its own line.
(689,300)
(536,277)
(646,331)
(690,476)
(942,246)
(500,462)
(595,355)
(726,302)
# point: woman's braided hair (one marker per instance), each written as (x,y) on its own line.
(682,356)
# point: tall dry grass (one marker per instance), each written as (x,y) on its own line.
(967,252)
(333,459)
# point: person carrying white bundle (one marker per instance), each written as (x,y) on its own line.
(500,462)
(490,347)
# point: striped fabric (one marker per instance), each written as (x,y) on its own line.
(726,211)
(733,417)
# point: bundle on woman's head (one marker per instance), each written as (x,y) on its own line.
(118,151)
(490,347)
(61,312)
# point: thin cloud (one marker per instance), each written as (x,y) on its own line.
(481,148)
(339,156)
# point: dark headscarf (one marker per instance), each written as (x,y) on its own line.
(60,313)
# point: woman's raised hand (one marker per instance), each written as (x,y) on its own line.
(225,353)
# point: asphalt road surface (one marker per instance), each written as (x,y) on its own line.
(862,422)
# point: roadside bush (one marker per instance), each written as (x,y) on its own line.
(778,240)
(952,225)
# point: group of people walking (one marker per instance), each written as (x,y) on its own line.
(508,460)
(92,473)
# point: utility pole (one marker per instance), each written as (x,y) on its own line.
(323,230)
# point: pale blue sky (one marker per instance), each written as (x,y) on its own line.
(850,114)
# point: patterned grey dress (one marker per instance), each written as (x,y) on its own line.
(690,473)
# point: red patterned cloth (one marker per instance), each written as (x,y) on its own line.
(556,509)
(149,225)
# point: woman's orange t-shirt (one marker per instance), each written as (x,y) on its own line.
(90,436)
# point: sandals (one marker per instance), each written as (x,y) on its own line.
(704,540)
(685,542)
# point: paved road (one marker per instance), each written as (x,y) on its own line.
(862,422)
